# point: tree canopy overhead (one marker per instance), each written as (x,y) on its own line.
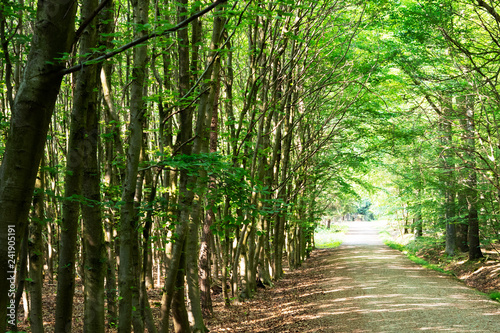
(205,140)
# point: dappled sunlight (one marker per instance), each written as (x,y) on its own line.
(421,294)
(367,288)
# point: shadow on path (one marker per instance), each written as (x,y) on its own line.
(363,286)
(372,288)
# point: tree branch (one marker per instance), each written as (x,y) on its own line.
(89,19)
(141,40)
(489,9)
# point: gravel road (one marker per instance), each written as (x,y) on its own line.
(368,287)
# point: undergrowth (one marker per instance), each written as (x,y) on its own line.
(412,247)
(495,296)
(413,257)
(329,238)
(430,247)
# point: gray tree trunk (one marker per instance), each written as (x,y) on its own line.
(448,181)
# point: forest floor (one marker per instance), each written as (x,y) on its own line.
(362,286)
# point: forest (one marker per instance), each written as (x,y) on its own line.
(182,146)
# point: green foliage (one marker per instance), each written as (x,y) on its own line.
(412,247)
(413,257)
(329,238)
(364,209)
(495,296)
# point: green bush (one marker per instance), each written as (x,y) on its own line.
(495,296)
(329,238)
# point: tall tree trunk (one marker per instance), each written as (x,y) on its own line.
(206,107)
(472,193)
(185,196)
(94,261)
(32,111)
(128,221)
(146,265)
(206,233)
(110,180)
(93,242)
(279,236)
(78,147)
(192,240)
(449,180)
(112,146)
(36,256)
(69,225)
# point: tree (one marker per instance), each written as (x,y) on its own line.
(53,37)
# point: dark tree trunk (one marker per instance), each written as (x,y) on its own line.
(93,240)
(128,221)
(462,223)
(93,237)
(185,196)
(36,257)
(32,111)
(472,193)
(474,240)
(71,205)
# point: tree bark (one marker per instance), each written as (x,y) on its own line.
(31,114)
(185,196)
(85,98)
(206,233)
(128,221)
(448,180)
(462,222)
(36,256)
(206,107)
(472,193)
(112,146)
(76,158)
(192,240)
(94,261)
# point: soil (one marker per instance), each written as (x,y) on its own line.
(361,286)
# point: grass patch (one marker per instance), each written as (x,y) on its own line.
(495,296)
(429,252)
(411,248)
(329,238)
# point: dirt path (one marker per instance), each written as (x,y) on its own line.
(376,289)
(364,286)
